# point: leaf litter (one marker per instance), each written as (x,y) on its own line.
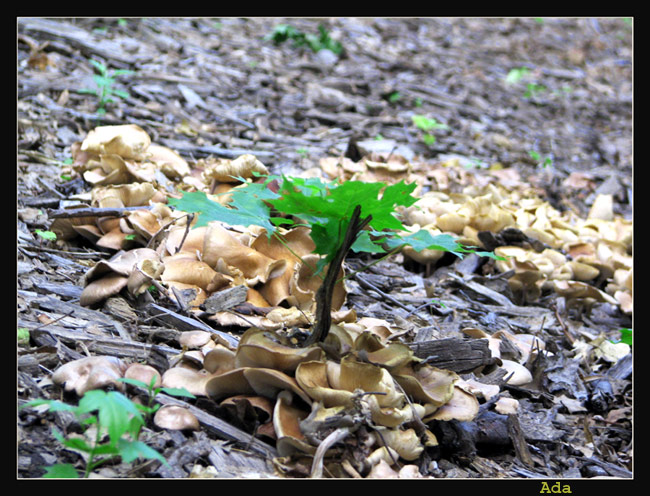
(368,401)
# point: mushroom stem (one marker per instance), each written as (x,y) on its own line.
(333,438)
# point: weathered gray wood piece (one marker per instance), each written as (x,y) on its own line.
(225,299)
(457,355)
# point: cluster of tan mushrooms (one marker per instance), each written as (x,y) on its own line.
(577,251)
(301,396)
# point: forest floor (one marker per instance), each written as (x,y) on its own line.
(517,105)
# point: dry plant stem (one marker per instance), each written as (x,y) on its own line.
(187,231)
(333,438)
(565,329)
(326,290)
(150,243)
(95,212)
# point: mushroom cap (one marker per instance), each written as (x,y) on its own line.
(181,377)
(176,418)
(194,339)
(143,373)
(462,406)
(127,141)
(520,374)
(89,373)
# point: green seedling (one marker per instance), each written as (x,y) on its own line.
(284,32)
(23,336)
(417,102)
(378,137)
(105,81)
(302,151)
(111,425)
(626,336)
(394,97)
(538,158)
(46,235)
(150,408)
(515,75)
(476,163)
(533,89)
(426,125)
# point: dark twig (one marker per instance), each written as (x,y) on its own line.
(94,212)
(326,290)
(187,231)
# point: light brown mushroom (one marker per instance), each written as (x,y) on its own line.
(462,406)
(519,375)
(227,171)
(127,141)
(286,423)
(101,289)
(506,406)
(171,163)
(194,339)
(181,377)
(143,373)
(219,359)
(253,381)
(260,348)
(89,373)
(176,418)
(256,267)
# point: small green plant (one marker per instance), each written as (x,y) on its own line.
(46,235)
(23,336)
(302,151)
(394,97)
(426,125)
(323,40)
(111,425)
(533,89)
(417,102)
(477,164)
(516,74)
(150,408)
(626,336)
(538,158)
(105,81)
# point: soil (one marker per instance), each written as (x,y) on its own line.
(218,87)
